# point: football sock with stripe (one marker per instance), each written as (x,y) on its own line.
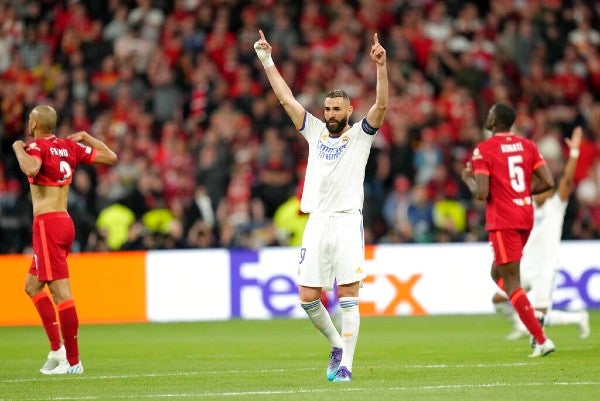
(46,310)
(521,303)
(69,324)
(350,326)
(321,319)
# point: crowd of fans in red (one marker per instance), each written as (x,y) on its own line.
(206,154)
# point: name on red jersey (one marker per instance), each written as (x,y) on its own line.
(59,152)
(511,147)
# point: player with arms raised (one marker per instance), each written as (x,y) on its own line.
(49,163)
(501,172)
(333,242)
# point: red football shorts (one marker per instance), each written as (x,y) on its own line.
(53,235)
(508,245)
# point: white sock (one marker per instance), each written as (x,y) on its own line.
(350,326)
(320,318)
(559,317)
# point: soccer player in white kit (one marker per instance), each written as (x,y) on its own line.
(540,254)
(333,241)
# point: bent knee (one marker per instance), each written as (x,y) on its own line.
(32,288)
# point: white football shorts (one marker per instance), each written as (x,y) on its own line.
(537,279)
(538,273)
(333,249)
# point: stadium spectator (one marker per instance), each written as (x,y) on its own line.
(210,64)
(149,18)
(420,214)
(114,222)
(275,177)
(15,219)
(118,24)
(395,211)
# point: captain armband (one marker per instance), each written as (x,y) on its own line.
(367,128)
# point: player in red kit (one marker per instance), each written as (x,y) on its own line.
(49,163)
(505,171)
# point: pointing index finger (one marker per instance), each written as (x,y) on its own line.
(262,35)
(375,39)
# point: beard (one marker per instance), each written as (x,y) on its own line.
(336,127)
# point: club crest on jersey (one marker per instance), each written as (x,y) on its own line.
(476,154)
(33,145)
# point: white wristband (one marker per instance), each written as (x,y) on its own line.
(268,62)
(574,153)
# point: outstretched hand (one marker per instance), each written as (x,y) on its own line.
(575,141)
(262,48)
(377,51)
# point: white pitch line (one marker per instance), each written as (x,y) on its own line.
(228,372)
(335,389)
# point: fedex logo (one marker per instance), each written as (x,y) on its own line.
(263,285)
(260,290)
(401,295)
(572,289)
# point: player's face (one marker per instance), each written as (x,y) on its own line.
(337,111)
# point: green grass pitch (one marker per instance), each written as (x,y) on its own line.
(398,358)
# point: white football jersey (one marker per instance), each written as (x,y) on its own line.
(541,250)
(336,167)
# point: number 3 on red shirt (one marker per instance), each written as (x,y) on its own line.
(66,169)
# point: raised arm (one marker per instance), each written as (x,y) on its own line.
(281,89)
(28,164)
(566,181)
(104,155)
(376,113)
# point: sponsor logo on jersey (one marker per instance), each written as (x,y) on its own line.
(331,152)
(522,201)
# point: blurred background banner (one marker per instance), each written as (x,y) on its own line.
(221,284)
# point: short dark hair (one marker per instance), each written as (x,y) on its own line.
(338,93)
(505,115)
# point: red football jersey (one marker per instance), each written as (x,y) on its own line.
(509,161)
(59,159)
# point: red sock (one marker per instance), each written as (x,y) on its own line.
(520,302)
(46,310)
(69,324)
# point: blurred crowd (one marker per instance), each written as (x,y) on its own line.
(207,156)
